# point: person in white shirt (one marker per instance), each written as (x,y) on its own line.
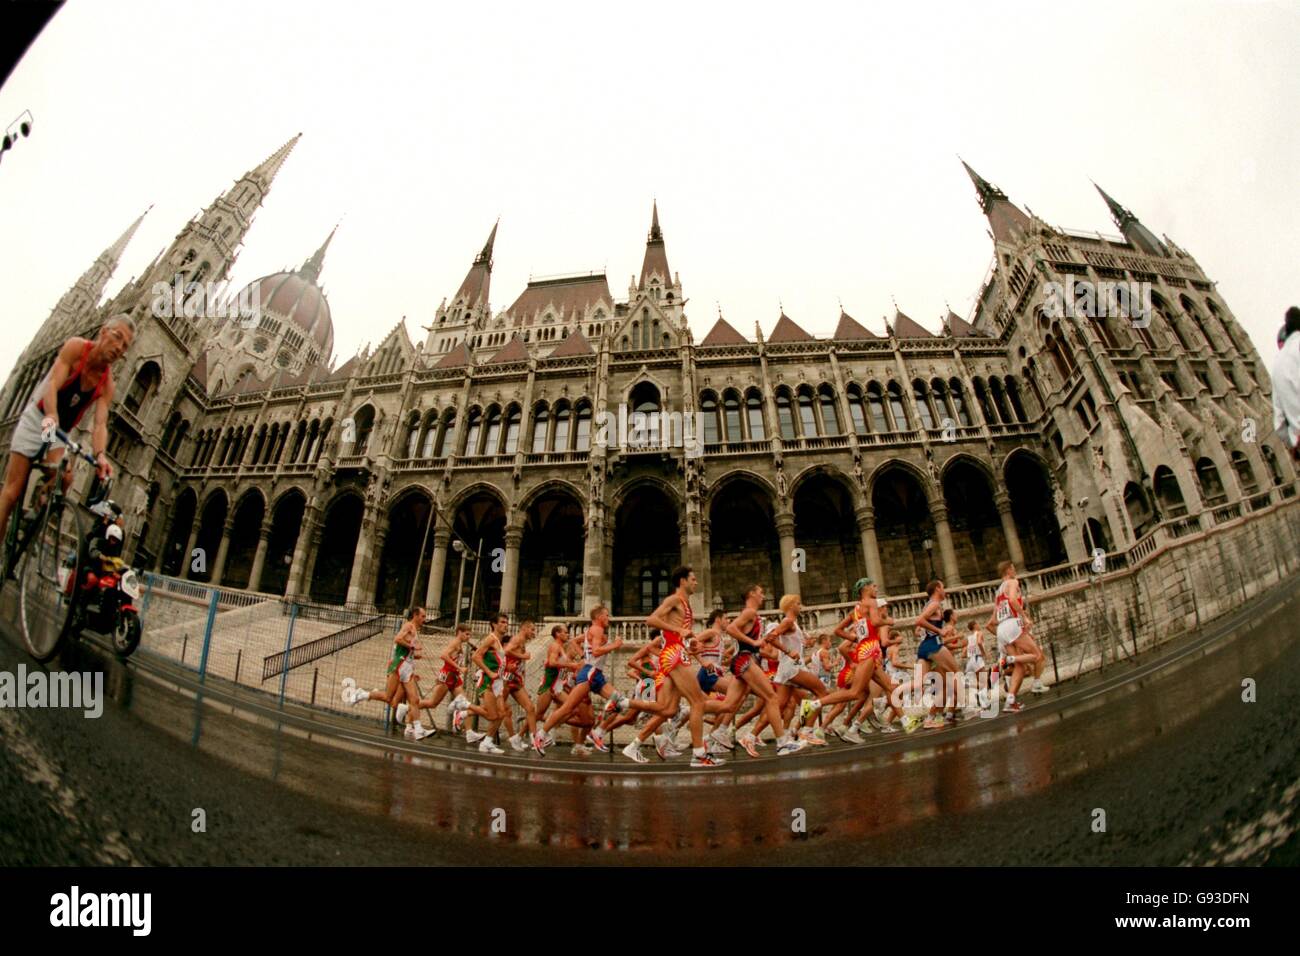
(1286,383)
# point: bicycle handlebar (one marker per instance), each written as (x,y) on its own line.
(75,448)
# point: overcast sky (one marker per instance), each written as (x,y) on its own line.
(801,154)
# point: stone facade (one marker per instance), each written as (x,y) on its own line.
(248,458)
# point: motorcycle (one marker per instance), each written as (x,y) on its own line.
(105,601)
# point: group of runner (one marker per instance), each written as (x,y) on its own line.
(702,679)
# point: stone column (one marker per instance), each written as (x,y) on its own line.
(259,557)
(1003,503)
(219,565)
(785,531)
(510,573)
(364,555)
(187,559)
(609,564)
(304,552)
(866,516)
(947,553)
(594,569)
(437,571)
(706,579)
(163,542)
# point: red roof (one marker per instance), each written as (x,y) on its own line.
(562,297)
(786,330)
(960,328)
(722,333)
(512,351)
(456,358)
(850,329)
(575,344)
(905,328)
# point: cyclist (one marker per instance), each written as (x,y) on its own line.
(80,377)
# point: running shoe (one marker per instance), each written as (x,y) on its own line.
(597,738)
(714,749)
(579,750)
(611,706)
(809,707)
(873,721)
(789,746)
(1014,706)
(720,738)
(517,743)
(419,732)
(550,738)
(932,723)
(889,728)
(706,761)
(474,736)
(488,747)
(458,720)
(1039,688)
(633,752)
(810,738)
(747,741)
(539,744)
(851,736)
(665,748)
(402,708)
(862,727)
(349,689)
(910,723)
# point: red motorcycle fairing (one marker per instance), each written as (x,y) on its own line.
(129,607)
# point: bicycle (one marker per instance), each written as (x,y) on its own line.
(44,551)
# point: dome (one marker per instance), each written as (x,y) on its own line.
(294,297)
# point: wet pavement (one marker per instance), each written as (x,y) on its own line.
(1183,769)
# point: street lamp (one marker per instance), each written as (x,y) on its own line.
(929,555)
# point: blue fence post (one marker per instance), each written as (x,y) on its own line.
(288,643)
(207,635)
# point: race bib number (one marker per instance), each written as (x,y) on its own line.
(1004,611)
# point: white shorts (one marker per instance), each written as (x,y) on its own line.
(405,670)
(1008,632)
(786,670)
(974,664)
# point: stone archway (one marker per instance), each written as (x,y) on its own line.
(340,529)
(744,547)
(647,547)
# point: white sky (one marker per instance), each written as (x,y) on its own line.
(800,153)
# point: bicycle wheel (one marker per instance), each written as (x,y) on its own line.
(47,575)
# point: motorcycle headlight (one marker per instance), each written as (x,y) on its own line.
(131,585)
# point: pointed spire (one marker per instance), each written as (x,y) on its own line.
(1005,217)
(1132,228)
(656,256)
(271,165)
(485,257)
(114,252)
(311,268)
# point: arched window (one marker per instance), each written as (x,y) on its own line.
(473,432)
(363,422)
(1275,469)
(1000,399)
(541,425)
(413,435)
(807,418)
(897,409)
(561,427)
(830,413)
(644,400)
(1211,486)
(876,403)
(731,413)
(513,417)
(1013,396)
(856,411)
(430,433)
(325,428)
(582,428)
(986,406)
(709,411)
(492,441)
(446,435)
(922,396)
(754,412)
(142,387)
(785,415)
(1245,474)
(1195,315)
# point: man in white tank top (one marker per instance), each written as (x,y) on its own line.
(1011,625)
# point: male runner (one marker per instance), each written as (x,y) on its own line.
(590,677)
(1011,625)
